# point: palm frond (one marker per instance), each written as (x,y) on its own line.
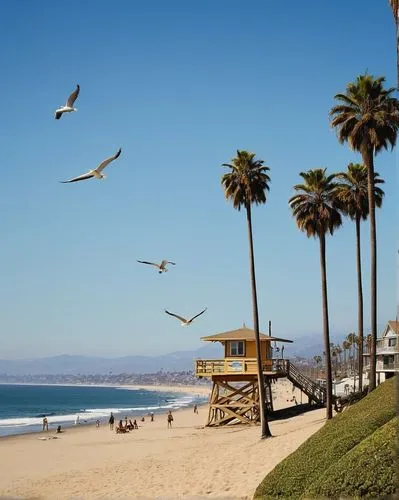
(352,191)
(395,8)
(248,182)
(366,116)
(315,206)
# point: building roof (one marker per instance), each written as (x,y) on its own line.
(241,334)
(394,325)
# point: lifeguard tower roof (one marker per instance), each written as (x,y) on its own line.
(241,334)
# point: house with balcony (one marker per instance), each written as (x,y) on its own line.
(387,351)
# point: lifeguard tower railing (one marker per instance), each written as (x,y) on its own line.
(227,366)
(270,367)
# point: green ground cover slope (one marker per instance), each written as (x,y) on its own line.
(297,474)
(367,471)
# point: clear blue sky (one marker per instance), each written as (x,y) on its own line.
(179,86)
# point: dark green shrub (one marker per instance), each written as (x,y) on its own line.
(366,471)
(295,474)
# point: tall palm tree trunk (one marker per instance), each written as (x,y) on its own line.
(359,302)
(368,159)
(265,432)
(326,330)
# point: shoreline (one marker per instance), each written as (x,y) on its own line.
(52,433)
(195,391)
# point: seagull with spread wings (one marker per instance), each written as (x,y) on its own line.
(68,107)
(184,321)
(97,172)
(161,267)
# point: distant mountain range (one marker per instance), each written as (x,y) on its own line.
(88,365)
(305,347)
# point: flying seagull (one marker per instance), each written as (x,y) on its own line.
(68,107)
(96,172)
(162,266)
(184,321)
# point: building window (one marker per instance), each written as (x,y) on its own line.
(392,342)
(388,361)
(237,348)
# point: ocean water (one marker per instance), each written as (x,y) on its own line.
(22,407)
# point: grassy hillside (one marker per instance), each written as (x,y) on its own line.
(292,477)
(367,471)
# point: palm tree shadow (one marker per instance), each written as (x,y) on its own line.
(292,411)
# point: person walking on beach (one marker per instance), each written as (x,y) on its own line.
(170,419)
(111,421)
(195,409)
(45,424)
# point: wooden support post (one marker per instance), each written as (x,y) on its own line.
(229,403)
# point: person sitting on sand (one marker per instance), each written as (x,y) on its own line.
(59,430)
(142,419)
(130,426)
(170,419)
(121,429)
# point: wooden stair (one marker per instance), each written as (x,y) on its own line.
(314,391)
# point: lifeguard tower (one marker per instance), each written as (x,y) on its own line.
(235,392)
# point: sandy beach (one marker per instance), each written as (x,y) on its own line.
(187,461)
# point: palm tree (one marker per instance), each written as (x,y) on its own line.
(351,339)
(334,360)
(367,117)
(367,343)
(339,352)
(352,194)
(346,346)
(314,207)
(318,360)
(245,184)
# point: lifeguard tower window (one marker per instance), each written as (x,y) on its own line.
(391,342)
(237,348)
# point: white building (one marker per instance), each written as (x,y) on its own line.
(387,352)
